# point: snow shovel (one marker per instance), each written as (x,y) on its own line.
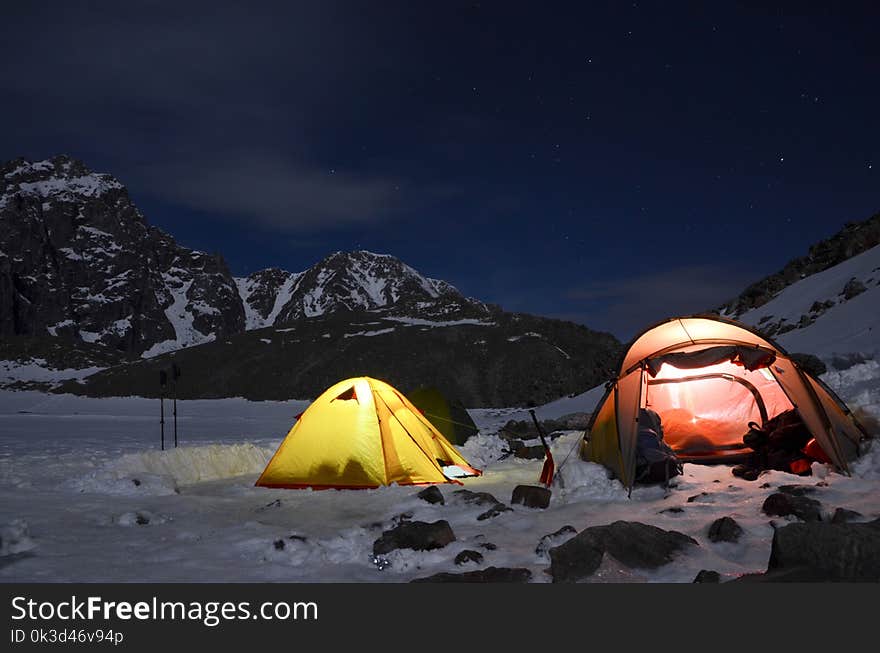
(546,477)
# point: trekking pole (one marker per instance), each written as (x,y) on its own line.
(546,476)
(175,374)
(163,379)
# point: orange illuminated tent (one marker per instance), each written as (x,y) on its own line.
(363,433)
(708,377)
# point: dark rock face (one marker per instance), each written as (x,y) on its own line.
(432,494)
(78,260)
(707,576)
(854,238)
(782,504)
(725,529)
(475,362)
(531,496)
(632,543)
(417,535)
(488,575)
(262,291)
(840,552)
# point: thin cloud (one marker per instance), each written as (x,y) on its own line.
(625,305)
(273,191)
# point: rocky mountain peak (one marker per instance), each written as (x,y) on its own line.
(365,281)
(78,259)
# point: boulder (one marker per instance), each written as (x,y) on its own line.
(531,496)
(432,494)
(417,535)
(852,288)
(488,575)
(476,498)
(707,576)
(782,504)
(632,543)
(725,529)
(839,552)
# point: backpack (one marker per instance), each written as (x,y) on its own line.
(656,462)
(779,442)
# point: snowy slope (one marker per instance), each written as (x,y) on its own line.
(833,312)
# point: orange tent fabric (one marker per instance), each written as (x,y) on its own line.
(708,377)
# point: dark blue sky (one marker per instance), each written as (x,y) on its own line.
(610,163)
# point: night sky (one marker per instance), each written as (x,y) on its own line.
(609,163)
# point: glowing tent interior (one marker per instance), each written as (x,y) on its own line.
(363,433)
(708,377)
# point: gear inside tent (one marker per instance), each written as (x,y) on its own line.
(709,378)
(363,433)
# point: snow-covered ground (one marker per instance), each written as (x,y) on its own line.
(38,370)
(86,495)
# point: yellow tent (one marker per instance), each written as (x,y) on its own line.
(362,433)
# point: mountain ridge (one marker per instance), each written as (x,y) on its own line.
(137,294)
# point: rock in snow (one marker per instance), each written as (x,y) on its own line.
(531,496)
(632,543)
(707,576)
(838,552)
(417,535)
(782,504)
(432,494)
(725,529)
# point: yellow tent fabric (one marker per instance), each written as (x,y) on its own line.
(362,433)
(711,399)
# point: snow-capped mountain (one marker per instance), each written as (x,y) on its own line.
(78,259)
(81,271)
(350,281)
(826,303)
